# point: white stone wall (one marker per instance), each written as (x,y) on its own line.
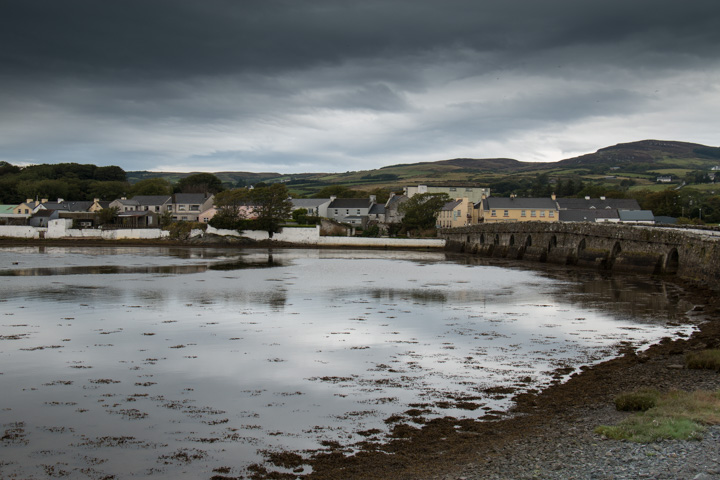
(303,236)
(16,231)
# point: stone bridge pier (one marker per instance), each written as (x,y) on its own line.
(690,254)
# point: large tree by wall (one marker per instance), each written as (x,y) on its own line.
(421,210)
(272,205)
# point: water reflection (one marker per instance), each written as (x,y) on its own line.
(185,361)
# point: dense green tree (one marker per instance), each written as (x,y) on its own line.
(107,216)
(110,174)
(200,183)
(152,186)
(421,211)
(229,202)
(662,203)
(48,188)
(7,168)
(107,190)
(272,205)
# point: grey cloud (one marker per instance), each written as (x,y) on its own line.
(266,81)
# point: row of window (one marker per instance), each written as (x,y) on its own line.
(523,213)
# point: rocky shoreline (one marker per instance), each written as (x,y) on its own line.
(550,434)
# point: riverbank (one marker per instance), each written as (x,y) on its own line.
(550,434)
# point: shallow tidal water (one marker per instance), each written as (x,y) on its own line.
(123,362)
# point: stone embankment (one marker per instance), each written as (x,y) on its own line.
(689,254)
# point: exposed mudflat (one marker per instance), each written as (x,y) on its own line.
(550,435)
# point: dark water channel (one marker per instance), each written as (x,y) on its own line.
(164,362)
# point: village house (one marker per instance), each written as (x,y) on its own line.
(515,209)
(457,213)
(189,206)
(143,203)
(353,211)
(313,205)
(392,208)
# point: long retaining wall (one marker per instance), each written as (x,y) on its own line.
(60,229)
(692,255)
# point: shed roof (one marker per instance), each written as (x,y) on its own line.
(636,216)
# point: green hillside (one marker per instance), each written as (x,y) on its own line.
(626,166)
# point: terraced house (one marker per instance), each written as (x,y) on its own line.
(515,209)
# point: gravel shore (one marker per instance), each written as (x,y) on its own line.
(550,434)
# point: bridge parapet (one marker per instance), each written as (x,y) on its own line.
(692,255)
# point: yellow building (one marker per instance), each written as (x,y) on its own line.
(457,213)
(514,209)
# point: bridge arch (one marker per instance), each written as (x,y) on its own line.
(672,262)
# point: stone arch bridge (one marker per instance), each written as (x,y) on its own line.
(690,254)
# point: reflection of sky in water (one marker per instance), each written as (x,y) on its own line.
(325,344)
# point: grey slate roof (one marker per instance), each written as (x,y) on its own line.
(350,203)
(598,203)
(308,202)
(449,206)
(636,216)
(377,209)
(152,199)
(504,203)
(587,215)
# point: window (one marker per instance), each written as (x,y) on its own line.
(347,211)
(493,213)
(522,213)
(506,213)
(533,213)
(336,211)
(194,208)
(551,214)
(358,211)
(453,189)
(542,213)
(181,208)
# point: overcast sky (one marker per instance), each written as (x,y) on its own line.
(332,85)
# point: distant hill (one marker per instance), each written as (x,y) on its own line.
(636,164)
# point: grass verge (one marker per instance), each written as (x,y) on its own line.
(676,415)
(704,359)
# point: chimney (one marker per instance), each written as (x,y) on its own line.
(553,197)
(373,199)
(60,200)
(587,197)
(29,200)
(602,198)
(44,200)
(332,198)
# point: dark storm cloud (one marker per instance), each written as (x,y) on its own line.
(334,84)
(182,37)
